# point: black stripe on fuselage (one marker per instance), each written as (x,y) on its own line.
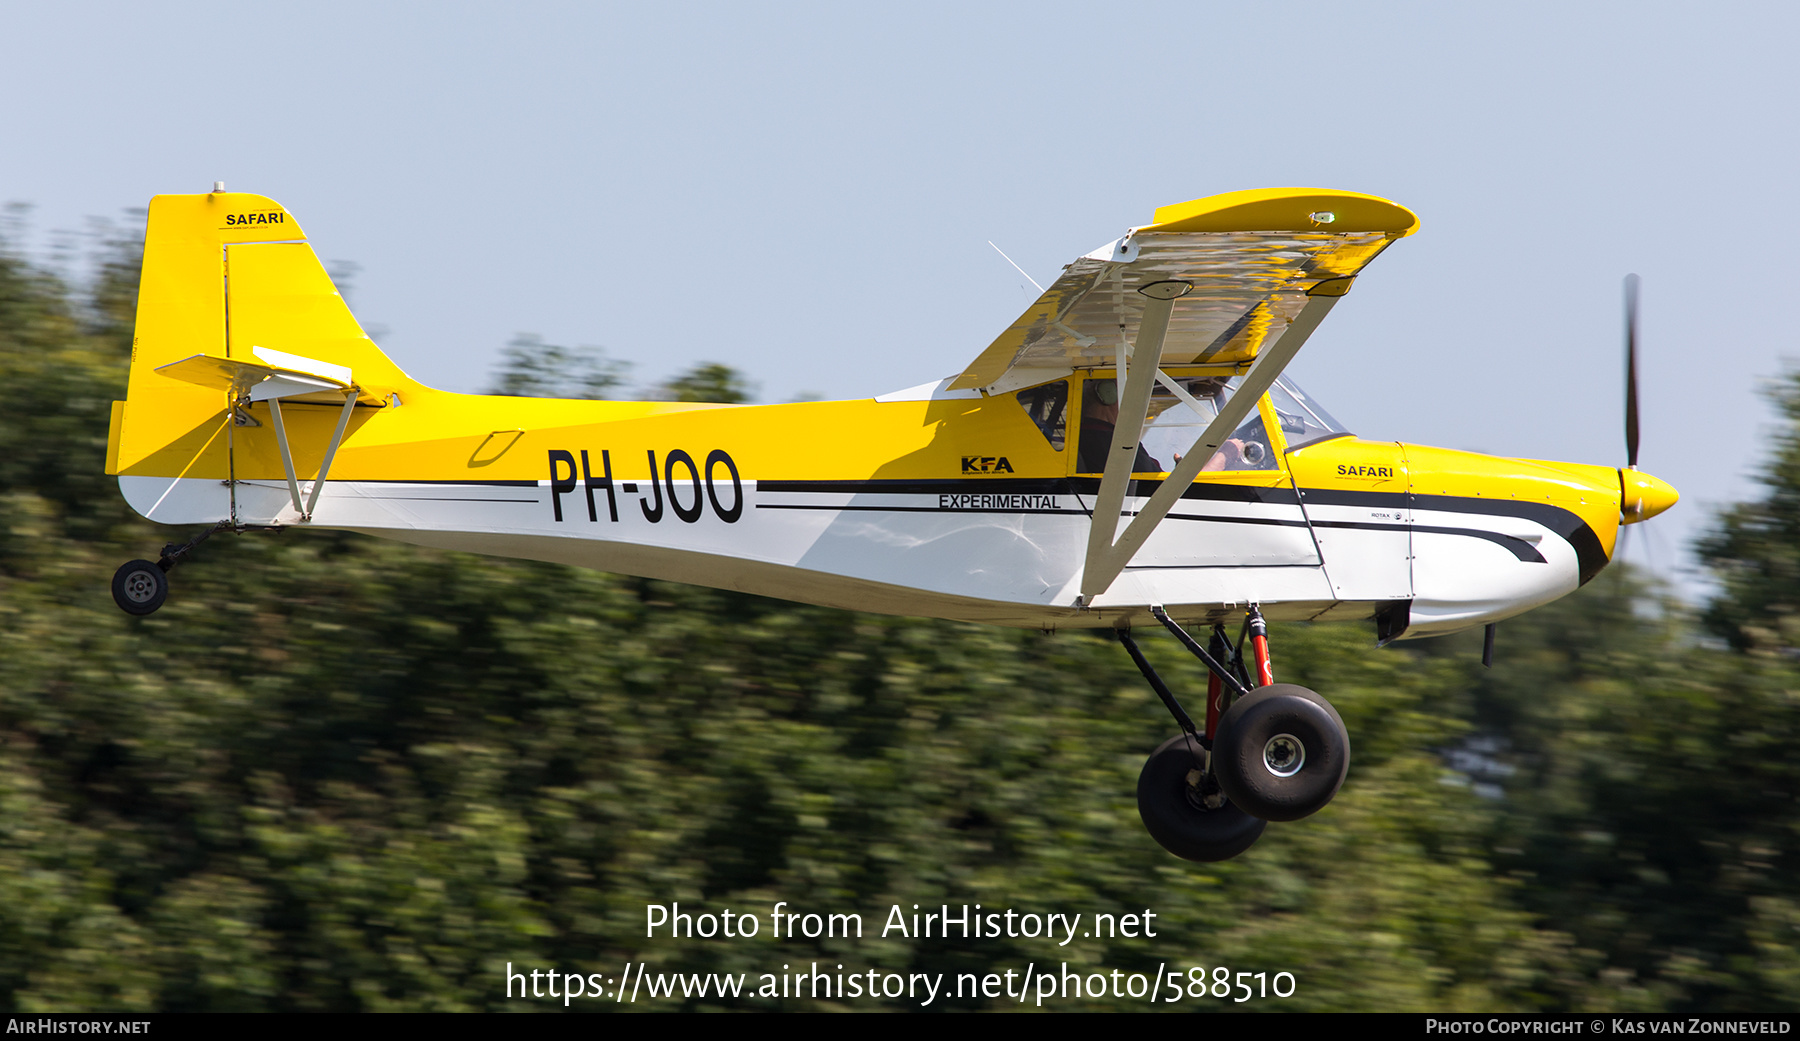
(1518,547)
(1027,486)
(439,498)
(912,509)
(468,481)
(1570,527)
(1567,525)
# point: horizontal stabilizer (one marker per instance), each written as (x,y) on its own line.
(312,366)
(300,379)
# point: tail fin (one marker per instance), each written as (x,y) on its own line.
(230,277)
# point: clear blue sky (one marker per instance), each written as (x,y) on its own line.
(806,192)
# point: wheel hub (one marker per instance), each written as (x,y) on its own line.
(1284,755)
(140,588)
(1202,791)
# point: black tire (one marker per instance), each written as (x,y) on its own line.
(139,587)
(1175,817)
(1281,752)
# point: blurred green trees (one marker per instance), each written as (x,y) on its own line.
(1755,550)
(337,773)
(530,367)
(710,381)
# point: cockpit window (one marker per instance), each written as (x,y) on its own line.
(1302,419)
(1172,427)
(1048,407)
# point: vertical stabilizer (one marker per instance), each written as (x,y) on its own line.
(228,276)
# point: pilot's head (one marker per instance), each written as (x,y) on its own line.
(1102,401)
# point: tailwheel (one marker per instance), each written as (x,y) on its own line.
(1281,752)
(1184,810)
(139,587)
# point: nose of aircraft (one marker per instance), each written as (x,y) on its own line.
(1642,496)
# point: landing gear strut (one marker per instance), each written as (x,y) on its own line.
(1279,752)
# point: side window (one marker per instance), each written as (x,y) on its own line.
(1172,427)
(1048,407)
(1099,414)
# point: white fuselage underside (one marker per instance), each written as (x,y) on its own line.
(1011,558)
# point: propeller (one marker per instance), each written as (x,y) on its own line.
(1631,390)
(1641,495)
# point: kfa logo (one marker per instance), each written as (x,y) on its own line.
(986,464)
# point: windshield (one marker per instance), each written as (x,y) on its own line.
(1302,419)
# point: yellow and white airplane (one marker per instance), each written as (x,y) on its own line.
(1127,452)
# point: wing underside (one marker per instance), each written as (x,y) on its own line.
(1249,283)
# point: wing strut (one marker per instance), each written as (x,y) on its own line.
(1107,556)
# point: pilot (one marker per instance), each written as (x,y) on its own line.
(1099,415)
(1238,452)
(1232,455)
(1245,449)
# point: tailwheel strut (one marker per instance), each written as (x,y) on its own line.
(139,587)
(173,554)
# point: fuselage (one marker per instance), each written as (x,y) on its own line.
(948,504)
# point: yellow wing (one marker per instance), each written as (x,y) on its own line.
(1251,256)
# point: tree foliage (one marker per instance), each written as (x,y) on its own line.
(710,381)
(531,368)
(1754,550)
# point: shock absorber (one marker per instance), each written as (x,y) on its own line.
(1259,648)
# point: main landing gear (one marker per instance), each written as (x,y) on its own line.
(139,587)
(1275,753)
